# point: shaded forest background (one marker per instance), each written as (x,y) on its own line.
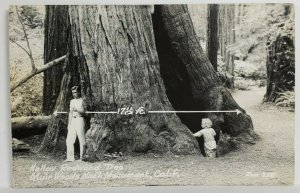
(255,28)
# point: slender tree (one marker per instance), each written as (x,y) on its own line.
(227,37)
(212,34)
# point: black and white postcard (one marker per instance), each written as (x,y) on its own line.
(152,95)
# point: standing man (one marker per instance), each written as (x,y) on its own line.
(76,125)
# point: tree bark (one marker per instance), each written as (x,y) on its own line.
(190,80)
(212,34)
(280,67)
(55,46)
(28,126)
(116,64)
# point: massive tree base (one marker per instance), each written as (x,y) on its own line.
(138,133)
(233,129)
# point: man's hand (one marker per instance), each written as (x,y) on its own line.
(76,114)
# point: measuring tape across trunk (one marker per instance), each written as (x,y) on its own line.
(237,111)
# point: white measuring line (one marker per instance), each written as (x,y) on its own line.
(101,112)
(88,112)
(237,111)
(227,111)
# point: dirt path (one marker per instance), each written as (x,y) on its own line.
(269,162)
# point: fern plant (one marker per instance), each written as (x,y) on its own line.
(286,99)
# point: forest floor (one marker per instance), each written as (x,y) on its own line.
(269,162)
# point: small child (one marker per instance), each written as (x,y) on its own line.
(209,134)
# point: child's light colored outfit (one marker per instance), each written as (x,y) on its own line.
(210,145)
(76,127)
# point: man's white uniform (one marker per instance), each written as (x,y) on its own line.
(76,127)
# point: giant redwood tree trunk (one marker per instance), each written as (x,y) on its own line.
(55,46)
(114,57)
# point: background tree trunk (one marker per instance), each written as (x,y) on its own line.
(55,46)
(227,37)
(280,67)
(117,66)
(212,34)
